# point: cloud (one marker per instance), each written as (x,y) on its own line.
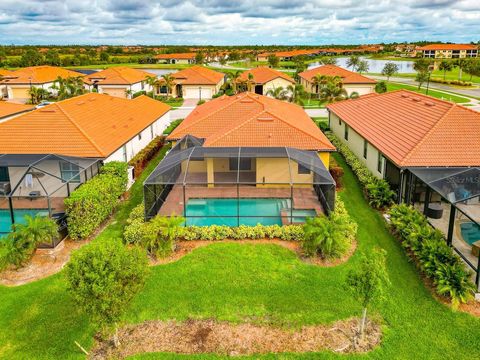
(236,22)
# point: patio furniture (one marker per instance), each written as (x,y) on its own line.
(4,188)
(434,211)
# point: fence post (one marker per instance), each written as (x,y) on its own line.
(451,223)
(477,279)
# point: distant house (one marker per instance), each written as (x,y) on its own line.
(264,79)
(9,110)
(119,81)
(196,82)
(46,153)
(183,58)
(16,85)
(352,81)
(401,130)
(287,55)
(449,51)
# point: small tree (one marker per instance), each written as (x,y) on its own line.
(103,278)
(421,78)
(367,282)
(381,87)
(199,58)
(273,60)
(159,239)
(362,66)
(445,66)
(104,56)
(389,69)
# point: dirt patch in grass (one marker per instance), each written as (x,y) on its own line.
(223,338)
(186,247)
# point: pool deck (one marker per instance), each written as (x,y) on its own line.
(27,203)
(303,198)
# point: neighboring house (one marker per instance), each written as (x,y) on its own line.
(183,58)
(287,55)
(448,51)
(46,153)
(16,85)
(352,81)
(244,159)
(119,81)
(9,110)
(265,79)
(196,82)
(396,132)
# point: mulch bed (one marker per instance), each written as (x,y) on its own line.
(223,338)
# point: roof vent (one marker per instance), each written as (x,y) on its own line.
(91,99)
(47,110)
(80,102)
(429,103)
(245,100)
(265,118)
(416,99)
(404,96)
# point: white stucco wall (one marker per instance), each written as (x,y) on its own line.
(356,142)
(275,84)
(142,85)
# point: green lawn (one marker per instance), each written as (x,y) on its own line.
(262,283)
(173,102)
(440,95)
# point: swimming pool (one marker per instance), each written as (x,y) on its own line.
(470,232)
(221,211)
(6,221)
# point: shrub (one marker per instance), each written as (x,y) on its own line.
(450,82)
(329,237)
(435,258)
(103,277)
(91,203)
(142,158)
(336,171)
(172,126)
(22,242)
(160,235)
(377,190)
(200,102)
(139,93)
(381,87)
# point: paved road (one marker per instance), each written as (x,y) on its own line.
(317,112)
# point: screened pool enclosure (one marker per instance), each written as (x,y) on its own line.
(38,184)
(239,185)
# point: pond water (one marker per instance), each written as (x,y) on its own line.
(375,65)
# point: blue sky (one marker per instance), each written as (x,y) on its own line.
(237,22)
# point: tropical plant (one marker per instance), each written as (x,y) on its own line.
(333,91)
(367,282)
(390,69)
(445,66)
(296,94)
(381,87)
(278,93)
(233,80)
(353,62)
(319,81)
(380,195)
(103,278)
(422,65)
(169,82)
(453,281)
(37,95)
(68,87)
(362,66)
(327,60)
(21,243)
(160,235)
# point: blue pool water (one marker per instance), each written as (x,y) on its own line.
(5,220)
(216,211)
(470,232)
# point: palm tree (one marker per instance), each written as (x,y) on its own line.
(68,87)
(37,95)
(278,93)
(362,66)
(353,62)
(155,83)
(233,79)
(297,94)
(249,82)
(169,82)
(319,81)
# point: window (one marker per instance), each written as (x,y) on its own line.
(245,164)
(345,135)
(365,148)
(303,169)
(124,151)
(339,121)
(69,172)
(380,162)
(143,85)
(151,131)
(139,136)
(4,177)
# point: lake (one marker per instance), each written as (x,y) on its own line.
(375,65)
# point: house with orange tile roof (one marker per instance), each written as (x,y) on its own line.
(121,81)
(352,81)
(449,51)
(9,110)
(397,132)
(288,55)
(17,84)
(181,58)
(244,159)
(263,79)
(196,82)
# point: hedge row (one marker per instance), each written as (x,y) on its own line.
(92,202)
(377,190)
(435,258)
(450,82)
(142,158)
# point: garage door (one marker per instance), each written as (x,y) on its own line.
(194,93)
(118,92)
(20,93)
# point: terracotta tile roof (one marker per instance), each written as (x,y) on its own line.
(413,129)
(120,75)
(90,125)
(188,56)
(252,120)
(39,75)
(5,72)
(9,108)
(448,47)
(263,74)
(198,75)
(348,77)
(291,53)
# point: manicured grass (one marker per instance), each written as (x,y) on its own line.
(259,283)
(313,102)
(440,95)
(173,102)
(322,122)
